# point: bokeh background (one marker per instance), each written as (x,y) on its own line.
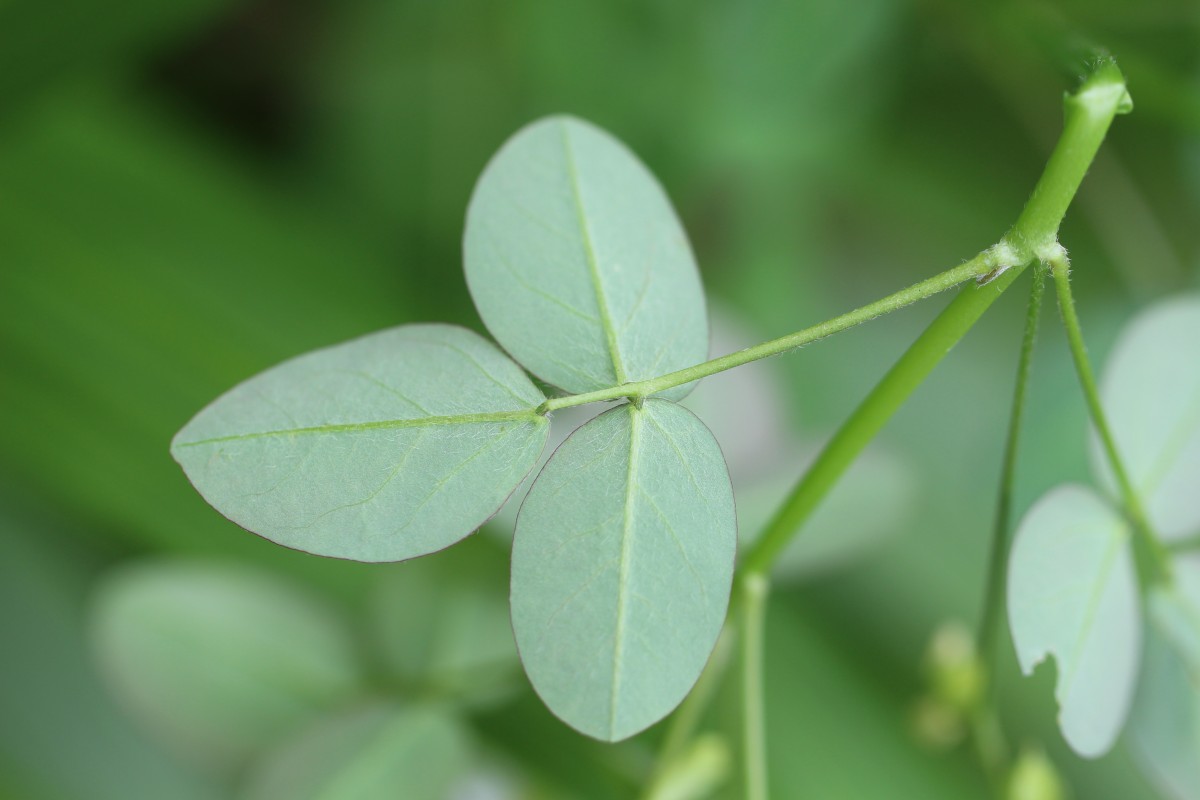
(192,191)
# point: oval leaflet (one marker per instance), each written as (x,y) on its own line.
(577,262)
(387,447)
(622,565)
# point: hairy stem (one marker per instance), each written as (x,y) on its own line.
(754,728)
(1153,560)
(1089,112)
(977,267)
(866,421)
(994,594)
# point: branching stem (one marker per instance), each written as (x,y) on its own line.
(981,265)
(1089,112)
(1153,560)
(1033,238)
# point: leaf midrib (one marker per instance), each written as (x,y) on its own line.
(530,415)
(623,568)
(606,321)
(1095,598)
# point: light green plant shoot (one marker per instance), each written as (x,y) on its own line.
(401,443)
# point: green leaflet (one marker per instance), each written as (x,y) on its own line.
(622,564)
(578,264)
(1164,726)
(1151,393)
(401,443)
(1072,593)
(221,660)
(386,447)
(1175,611)
(373,752)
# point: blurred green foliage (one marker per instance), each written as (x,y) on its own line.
(192,191)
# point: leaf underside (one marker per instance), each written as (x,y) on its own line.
(387,447)
(577,262)
(1151,394)
(1072,593)
(622,565)
(1164,726)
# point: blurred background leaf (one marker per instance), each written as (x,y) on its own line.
(191,192)
(372,752)
(441,624)
(63,735)
(221,661)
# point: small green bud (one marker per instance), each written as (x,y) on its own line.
(956,675)
(1034,777)
(696,772)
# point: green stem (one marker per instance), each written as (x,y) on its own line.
(1089,112)
(870,416)
(754,751)
(994,594)
(977,267)
(1153,559)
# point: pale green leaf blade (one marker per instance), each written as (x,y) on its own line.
(373,752)
(1164,726)
(220,660)
(622,565)
(1174,610)
(1151,393)
(578,264)
(1072,593)
(386,447)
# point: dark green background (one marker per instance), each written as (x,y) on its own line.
(191,191)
